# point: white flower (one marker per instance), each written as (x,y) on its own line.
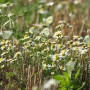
(58,7)
(17,54)
(42,11)
(64,53)
(82,51)
(50,3)
(55,57)
(77,2)
(74,48)
(58,33)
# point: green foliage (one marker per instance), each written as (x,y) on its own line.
(36,44)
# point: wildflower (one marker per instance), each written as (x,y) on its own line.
(74,48)
(42,11)
(82,50)
(57,46)
(38,38)
(26,37)
(10,14)
(0,11)
(77,2)
(44,66)
(52,73)
(3,42)
(55,57)
(76,37)
(75,43)
(3,47)
(57,34)
(3,53)
(3,5)
(62,68)
(58,7)
(1,60)
(7,41)
(32,30)
(17,54)
(64,52)
(50,3)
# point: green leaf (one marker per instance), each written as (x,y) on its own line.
(67,77)
(81,86)
(1,1)
(61,80)
(77,74)
(58,77)
(9,75)
(66,74)
(63,88)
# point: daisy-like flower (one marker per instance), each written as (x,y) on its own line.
(77,2)
(17,54)
(44,66)
(57,34)
(3,47)
(75,43)
(55,57)
(82,50)
(58,7)
(10,14)
(74,48)
(1,60)
(50,3)
(42,11)
(76,37)
(64,53)
(2,42)
(26,37)
(3,5)
(3,53)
